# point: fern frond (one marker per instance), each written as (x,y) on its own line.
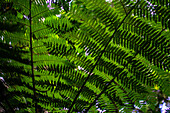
(154,10)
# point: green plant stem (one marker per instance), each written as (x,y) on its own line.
(99,95)
(70,109)
(123,6)
(103,52)
(32,66)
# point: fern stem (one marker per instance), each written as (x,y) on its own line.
(107,84)
(40,13)
(70,109)
(103,52)
(114,103)
(32,66)
(117,109)
(23,6)
(39,30)
(123,6)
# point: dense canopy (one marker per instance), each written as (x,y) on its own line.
(84,55)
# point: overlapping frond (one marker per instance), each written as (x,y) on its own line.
(136,46)
(155,10)
(99,55)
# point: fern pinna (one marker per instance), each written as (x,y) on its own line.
(95,55)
